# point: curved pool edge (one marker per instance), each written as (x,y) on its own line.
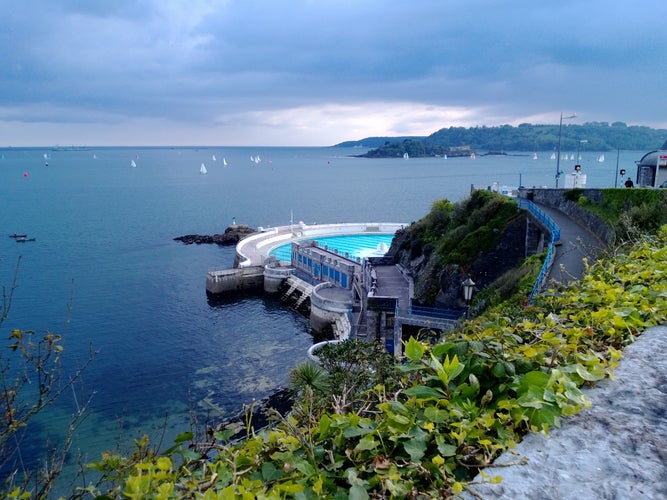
(255,249)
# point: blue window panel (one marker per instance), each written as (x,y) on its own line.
(325,270)
(343,280)
(316,270)
(337,276)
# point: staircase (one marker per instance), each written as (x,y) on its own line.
(298,291)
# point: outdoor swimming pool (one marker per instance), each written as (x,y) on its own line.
(356,245)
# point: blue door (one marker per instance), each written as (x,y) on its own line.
(343,280)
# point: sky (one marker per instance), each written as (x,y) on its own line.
(319,72)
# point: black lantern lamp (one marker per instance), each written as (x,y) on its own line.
(468,288)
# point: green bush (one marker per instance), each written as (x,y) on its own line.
(429,425)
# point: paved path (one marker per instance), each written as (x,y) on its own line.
(617,448)
(576,243)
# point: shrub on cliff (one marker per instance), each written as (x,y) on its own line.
(456,405)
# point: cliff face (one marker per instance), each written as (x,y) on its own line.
(438,281)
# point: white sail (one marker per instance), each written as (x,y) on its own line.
(224,161)
(553,156)
(601,158)
(213,158)
(406,155)
(133,164)
(202,169)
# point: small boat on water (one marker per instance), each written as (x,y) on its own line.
(16,235)
(23,239)
(202,169)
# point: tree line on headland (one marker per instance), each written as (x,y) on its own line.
(453,141)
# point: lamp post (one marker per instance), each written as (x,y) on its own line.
(621,173)
(560,132)
(468,287)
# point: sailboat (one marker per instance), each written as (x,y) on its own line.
(202,169)
(601,158)
(133,164)
(473,156)
(224,161)
(213,158)
(406,155)
(534,156)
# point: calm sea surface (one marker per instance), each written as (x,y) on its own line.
(104,269)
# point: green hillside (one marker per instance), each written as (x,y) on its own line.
(596,136)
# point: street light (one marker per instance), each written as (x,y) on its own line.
(560,131)
(468,287)
(621,173)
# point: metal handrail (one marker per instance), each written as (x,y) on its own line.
(435,312)
(554,229)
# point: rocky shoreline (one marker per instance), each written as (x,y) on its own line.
(264,413)
(232,235)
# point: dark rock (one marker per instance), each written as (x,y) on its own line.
(232,235)
(264,413)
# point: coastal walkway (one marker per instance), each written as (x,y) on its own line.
(576,244)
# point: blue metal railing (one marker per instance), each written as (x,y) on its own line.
(554,229)
(541,215)
(434,312)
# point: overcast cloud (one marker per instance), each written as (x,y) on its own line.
(318,72)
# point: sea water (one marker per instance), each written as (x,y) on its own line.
(105,272)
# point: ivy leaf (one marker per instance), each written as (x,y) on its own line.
(270,472)
(366,443)
(415,447)
(358,492)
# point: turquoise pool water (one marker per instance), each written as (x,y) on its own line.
(357,245)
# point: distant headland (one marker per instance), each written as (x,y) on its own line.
(461,141)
